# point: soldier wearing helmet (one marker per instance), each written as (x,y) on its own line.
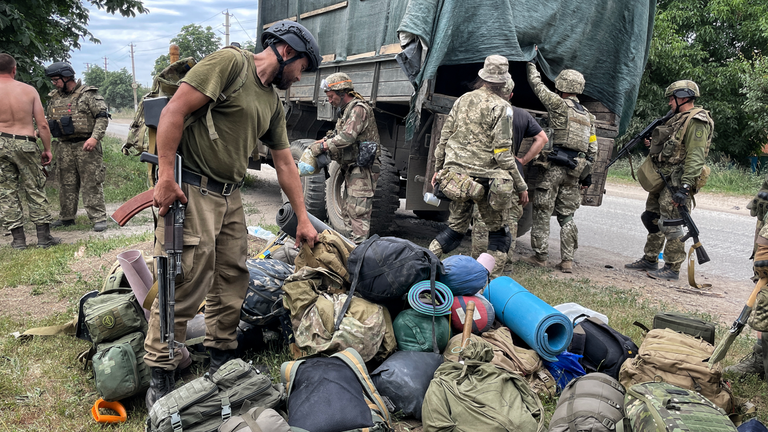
(213,172)
(354,132)
(475,162)
(78,118)
(678,149)
(567,168)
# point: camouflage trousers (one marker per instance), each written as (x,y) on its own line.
(81,171)
(480,230)
(213,264)
(22,173)
(557,194)
(674,250)
(359,188)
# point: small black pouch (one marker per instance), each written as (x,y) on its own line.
(366,153)
(55,128)
(67,127)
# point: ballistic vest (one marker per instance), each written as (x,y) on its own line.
(74,106)
(578,127)
(370,132)
(667,140)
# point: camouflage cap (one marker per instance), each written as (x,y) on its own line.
(495,69)
(508,87)
(337,81)
(682,89)
(570,81)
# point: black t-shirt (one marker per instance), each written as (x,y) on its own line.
(524,126)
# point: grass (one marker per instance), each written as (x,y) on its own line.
(725,178)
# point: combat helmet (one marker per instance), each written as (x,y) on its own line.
(60,69)
(298,37)
(337,81)
(682,89)
(570,81)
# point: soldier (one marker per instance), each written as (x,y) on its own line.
(568,165)
(524,126)
(21,161)
(474,158)
(77,116)
(355,131)
(678,150)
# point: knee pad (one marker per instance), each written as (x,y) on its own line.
(499,240)
(562,220)
(648,220)
(449,239)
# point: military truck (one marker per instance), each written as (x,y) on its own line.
(411,59)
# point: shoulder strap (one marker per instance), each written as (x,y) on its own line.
(288,374)
(355,278)
(355,362)
(691,114)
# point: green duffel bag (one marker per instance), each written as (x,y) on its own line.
(204,404)
(413,331)
(663,407)
(112,314)
(119,368)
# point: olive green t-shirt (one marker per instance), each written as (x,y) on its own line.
(252,113)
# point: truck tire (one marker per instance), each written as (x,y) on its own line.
(385,199)
(313,187)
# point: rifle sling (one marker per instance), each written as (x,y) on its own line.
(691,263)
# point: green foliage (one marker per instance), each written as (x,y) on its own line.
(193,41)
(36,32)
(718,44)
(115,86)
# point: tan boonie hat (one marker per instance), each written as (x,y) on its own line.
(682,89)
(337,81)
(508,87)
(495,69)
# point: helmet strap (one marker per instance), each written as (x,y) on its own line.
(283,63)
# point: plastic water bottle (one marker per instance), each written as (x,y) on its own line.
(661,256)
(430,199)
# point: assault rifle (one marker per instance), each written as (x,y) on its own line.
(687,221)
(641,137)
(169,266)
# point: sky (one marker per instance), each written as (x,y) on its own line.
(151,33)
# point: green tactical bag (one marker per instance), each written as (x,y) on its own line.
(119,367)
(112,314)
(204,404)
(256,419)
(663,407)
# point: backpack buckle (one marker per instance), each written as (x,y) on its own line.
(609,423)
(176,422)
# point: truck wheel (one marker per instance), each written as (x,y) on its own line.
(313,187)
(432,215)
(385,200)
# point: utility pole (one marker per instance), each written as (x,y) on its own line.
(226,28)
(133,84)
(105,64)
(87,67)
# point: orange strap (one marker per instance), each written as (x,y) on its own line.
(115,406)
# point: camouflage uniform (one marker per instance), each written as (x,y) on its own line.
(476,140)
(79,169)
(356,124)
(558,190)
(22,173)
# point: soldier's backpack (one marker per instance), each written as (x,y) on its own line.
(206,402)
(684,323)
(679,359)
(256,419)
(603,348)
(263,302)
(593,402)
(663,407)
(333,394)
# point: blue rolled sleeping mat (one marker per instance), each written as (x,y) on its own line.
(546,330)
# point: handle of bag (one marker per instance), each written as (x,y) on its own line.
(121,416)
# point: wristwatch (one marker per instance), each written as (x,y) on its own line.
(686,186)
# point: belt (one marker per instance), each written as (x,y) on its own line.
(19,137)
(210,184)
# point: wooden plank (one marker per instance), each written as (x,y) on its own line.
(324,10)
(329,58)
(390,49)
(363,55)
(266,26)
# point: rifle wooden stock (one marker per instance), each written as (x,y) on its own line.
(133,206)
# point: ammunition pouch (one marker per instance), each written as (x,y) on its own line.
(500,193)
(55,128)
(366,153)
(459,187)
(560,156)
(67,127)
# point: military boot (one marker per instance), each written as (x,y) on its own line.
(752,363)
(19,239)
(62,223)
(44,237)
(535,261)
(664,273)
(218,358)
(566,266)
(161,383)
(642,264)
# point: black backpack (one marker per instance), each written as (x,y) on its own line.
(263,302)
(603,348)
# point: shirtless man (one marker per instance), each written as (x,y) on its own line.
(21,161)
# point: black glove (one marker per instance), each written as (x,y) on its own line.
(681,195)
(586,181)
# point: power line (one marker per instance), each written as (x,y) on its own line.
(241,26)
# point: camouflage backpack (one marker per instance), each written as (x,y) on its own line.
(264,299)
(663,407)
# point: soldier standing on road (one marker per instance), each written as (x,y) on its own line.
(78,117)
(679,149)
(524,126)
(21,161)
(215,235)
(475,153)
(355,130)
(568,166)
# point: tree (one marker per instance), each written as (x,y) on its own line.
(37,32)
(719,44)
(193,41)
(117,90)
(95,76)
